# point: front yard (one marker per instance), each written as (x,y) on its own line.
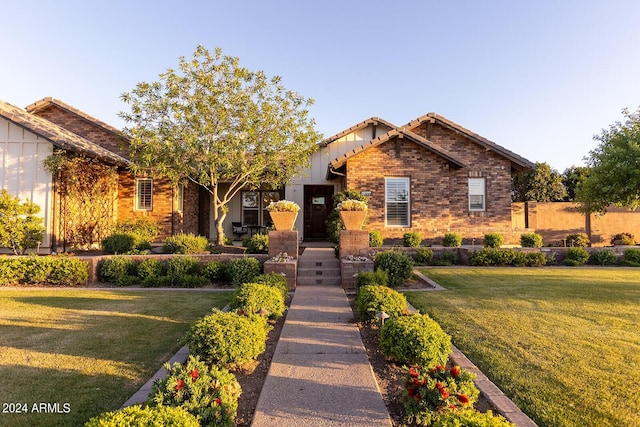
(562,343)
(69,354)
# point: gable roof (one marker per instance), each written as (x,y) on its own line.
(49,101)
(455,161)
(57,135)
(515,159)
(363,124)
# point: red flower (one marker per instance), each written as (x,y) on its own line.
(413,373)
(455,371)
(195,374)
(439,385)
(463,398)
(180,385)
(439,368)
(218,401)
(411,392)
(444,393)
(416,382)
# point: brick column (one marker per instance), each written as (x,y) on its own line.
(283,241)
(354,242)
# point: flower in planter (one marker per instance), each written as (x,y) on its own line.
(283,206)
(356,258)
(282,257)
(352,205)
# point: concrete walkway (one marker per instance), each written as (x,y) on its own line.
(320,374)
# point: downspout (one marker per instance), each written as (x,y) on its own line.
(54,216)
(173,201)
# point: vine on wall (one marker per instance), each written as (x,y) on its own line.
(88,192)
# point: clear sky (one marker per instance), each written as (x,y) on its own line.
(538,77)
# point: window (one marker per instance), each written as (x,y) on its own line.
(397,202)
(180,198)
(476,194)
(144,194)
(254,207)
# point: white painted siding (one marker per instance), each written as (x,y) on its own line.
(21,171)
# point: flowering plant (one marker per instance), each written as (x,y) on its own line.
(356,258)
(209,393)
(283,206)
(352,205)
(282,257)
(432,392)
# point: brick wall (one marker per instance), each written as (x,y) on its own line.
(439,193)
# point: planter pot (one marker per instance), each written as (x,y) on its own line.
(283,221)
(352,220)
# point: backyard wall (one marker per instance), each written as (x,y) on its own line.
(554,221)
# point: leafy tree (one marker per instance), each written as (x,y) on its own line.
(20,228)
(615,167)
(221,126)
(542,184)
(571,178)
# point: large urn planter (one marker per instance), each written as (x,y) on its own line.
(352,220)
(283,221)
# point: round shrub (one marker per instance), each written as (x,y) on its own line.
(579,240)
(398,265)
(183,266)
(12,271)
(242,270)
(625,239)
(118,243)
(185,244)
(150,267)
(493,240)
(256,244)
(531,240)
(211,393)
(148,416)
(214,270)
(375,239)
(252,297)
(373,299)
(632,256)
(378,277)
(411,239)
(452,240)
(114,269)
(604,257)
(472,418)
(275,280)
(415,340)
(227,338)
(576,256)
(423,256)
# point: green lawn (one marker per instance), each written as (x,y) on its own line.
(87,350)
(562,343)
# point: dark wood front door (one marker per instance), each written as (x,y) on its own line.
(318,202)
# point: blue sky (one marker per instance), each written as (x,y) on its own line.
(540,78)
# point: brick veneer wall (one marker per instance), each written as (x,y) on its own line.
(439,193)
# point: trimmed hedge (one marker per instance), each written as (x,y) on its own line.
(493,240)
(185,244)
(243,270)
(423,256)
(373,299)
(208,338)
(576,256)
(415,340)
(136,415)
(398,265)
(411,239)
(606,256)
(490,257)
(256,244)
(378,277)
(375,239)
(41,271)
(452,240)
(275,280)
(531,240)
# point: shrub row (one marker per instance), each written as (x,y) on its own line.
(39,271)
(489,256)
(182,271)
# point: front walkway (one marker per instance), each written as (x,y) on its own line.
(320,374)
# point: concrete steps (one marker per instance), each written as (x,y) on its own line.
(318,266)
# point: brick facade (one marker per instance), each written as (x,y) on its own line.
(438,191)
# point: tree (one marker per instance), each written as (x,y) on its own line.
(20,228)
(615,167)
(220,126)
(571,178)
(542,184)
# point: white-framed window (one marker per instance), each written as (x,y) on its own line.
(180,198)
(397,203)
(144,194)
(477,199)
(254,207)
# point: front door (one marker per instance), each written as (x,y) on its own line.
(318,202)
